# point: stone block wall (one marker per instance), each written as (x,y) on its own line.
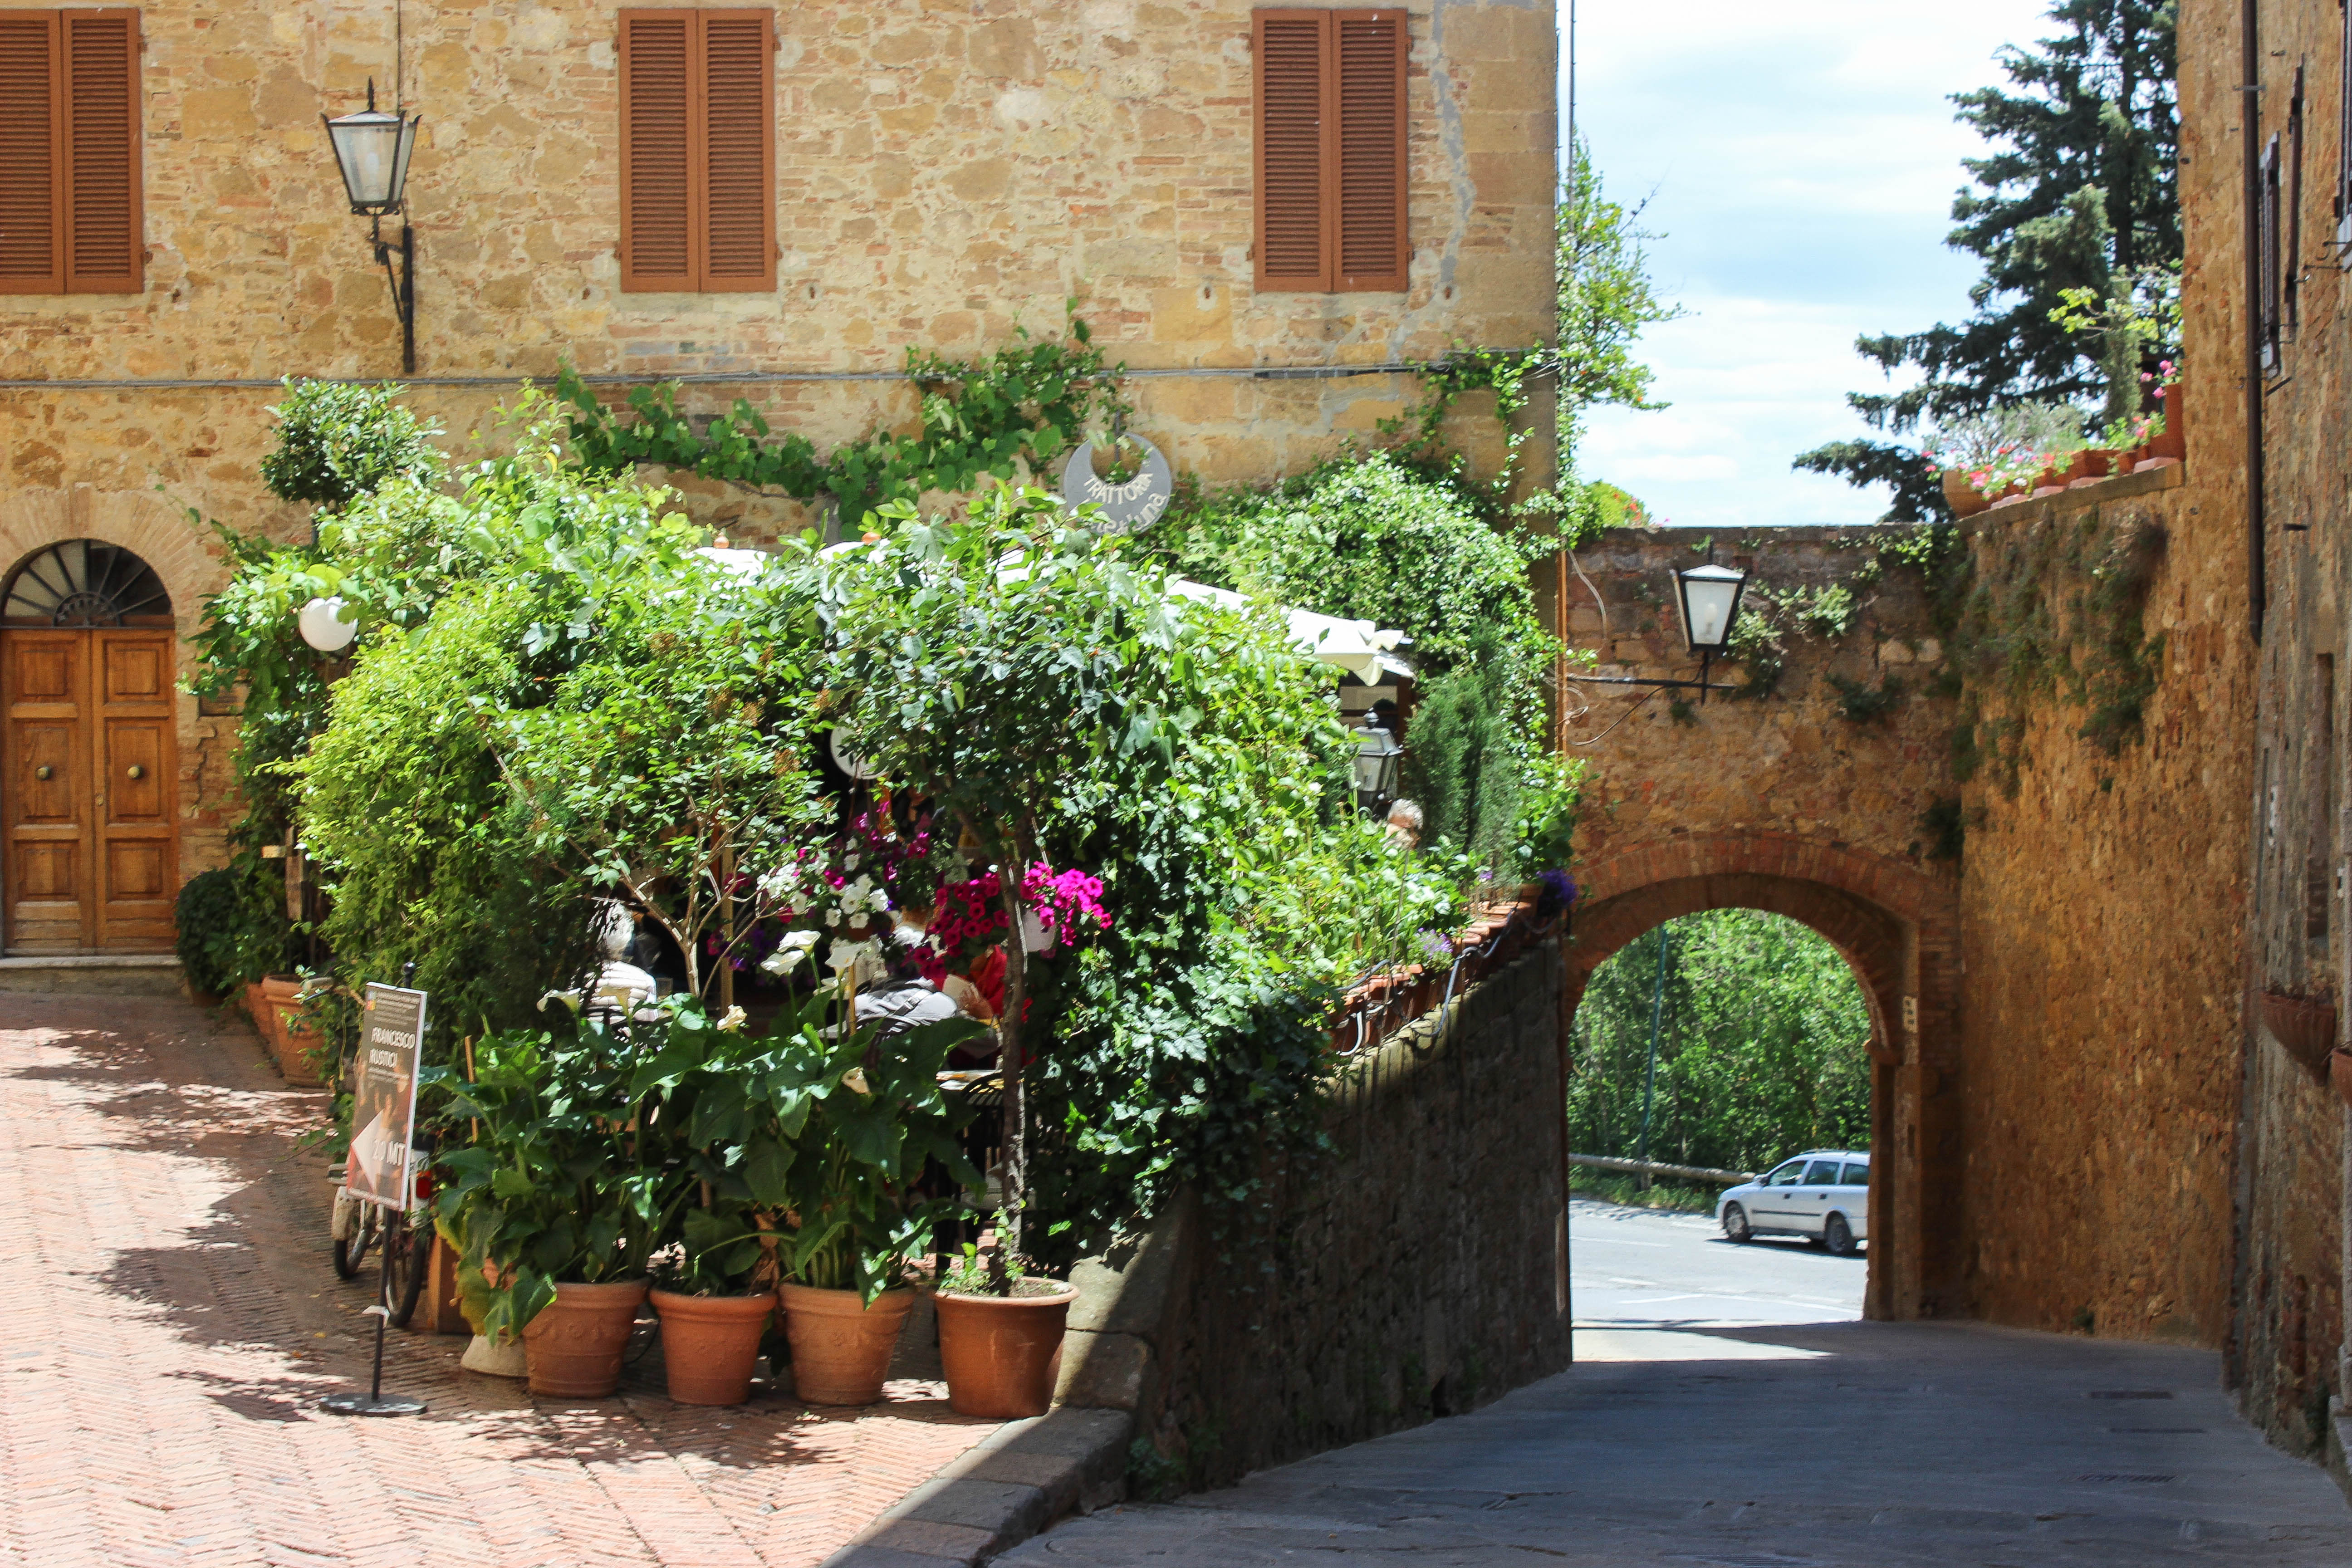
(946,177)
(1791,762)
(1420,1272)
(2287,753)
(2102,920)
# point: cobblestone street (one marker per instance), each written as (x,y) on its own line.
(177,1319)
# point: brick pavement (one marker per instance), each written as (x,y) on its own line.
(174,1319)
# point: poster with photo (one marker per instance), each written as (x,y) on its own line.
(384,1096)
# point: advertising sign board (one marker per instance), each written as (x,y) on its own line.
(384,1096)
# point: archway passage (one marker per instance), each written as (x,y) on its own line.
(89,756)
(1897,926)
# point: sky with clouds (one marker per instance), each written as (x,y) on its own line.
(1799,161)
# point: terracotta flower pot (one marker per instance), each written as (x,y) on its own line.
(710,1344)
(264,1017)
(2089,465)
(841,1347)
(1003,1354)
(1963,498)
(2174,441)
(2305,1025)
(2340,1073)
(289,1039)
(574,1346)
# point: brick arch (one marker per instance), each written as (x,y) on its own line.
(1897,926)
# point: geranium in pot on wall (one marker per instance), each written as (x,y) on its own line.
(557,1207)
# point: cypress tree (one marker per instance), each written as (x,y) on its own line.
(2078,190)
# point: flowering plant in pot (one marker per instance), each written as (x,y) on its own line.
(558,1206)
(1000,1334)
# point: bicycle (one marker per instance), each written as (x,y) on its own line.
(359,1227)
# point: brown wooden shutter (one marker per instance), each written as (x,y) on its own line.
(1369,51)
(1293,150)
(1330,150)
(697,152)
(105,234)
(32,155)
(657,217)
(739,157)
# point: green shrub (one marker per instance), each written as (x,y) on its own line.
(233,928)
(1462,765)
(337,442)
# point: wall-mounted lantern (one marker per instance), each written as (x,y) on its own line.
(372,150)
(1378,761)
(1709,596)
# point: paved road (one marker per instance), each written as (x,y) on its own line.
(1644,1269)
(1726,1411)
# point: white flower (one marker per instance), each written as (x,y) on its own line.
(851,861)
(569,998)
(733,1022)
(833,917)
(856,1078)
(784,960)
(797,941)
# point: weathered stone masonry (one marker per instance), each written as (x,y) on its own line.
(946,175)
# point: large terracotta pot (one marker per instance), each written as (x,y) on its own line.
(289,1038)
(264,1017)
(841,1347)
(574,1345)
(711,1343)
(1003,1354)
(1963,498)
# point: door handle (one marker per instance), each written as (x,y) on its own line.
(137,771)
(43,771)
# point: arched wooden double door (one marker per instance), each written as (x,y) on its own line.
(89,758)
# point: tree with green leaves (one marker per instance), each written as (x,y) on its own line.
(1762,1045)
(1606,299)
(2077,192)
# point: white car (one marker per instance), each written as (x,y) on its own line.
(1822,1194)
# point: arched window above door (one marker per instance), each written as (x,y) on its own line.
(84,582)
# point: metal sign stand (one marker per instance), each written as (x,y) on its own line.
(402,1025)
(374,1402)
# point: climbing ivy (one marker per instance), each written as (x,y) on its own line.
(1025,404)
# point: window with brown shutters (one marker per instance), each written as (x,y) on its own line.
(697,152)
(1330,151)
(72,220)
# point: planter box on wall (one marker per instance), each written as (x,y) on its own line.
(2304,1025)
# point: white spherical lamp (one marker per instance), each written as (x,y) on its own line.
(327,624)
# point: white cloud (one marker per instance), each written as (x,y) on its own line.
(1800,161)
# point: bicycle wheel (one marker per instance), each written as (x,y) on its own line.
(408,1248)
(348,1255)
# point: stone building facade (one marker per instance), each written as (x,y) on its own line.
(943,177)
(2289,340)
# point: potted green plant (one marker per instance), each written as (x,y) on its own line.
(715,1288)
(865,1115)
(1000,1334)
(558,1206)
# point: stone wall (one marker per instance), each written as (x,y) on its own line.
(946,177)
(1420,1272)
(2288,765)
(2101,913)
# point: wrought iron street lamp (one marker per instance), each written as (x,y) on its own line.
(1709,596)
(372,150)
